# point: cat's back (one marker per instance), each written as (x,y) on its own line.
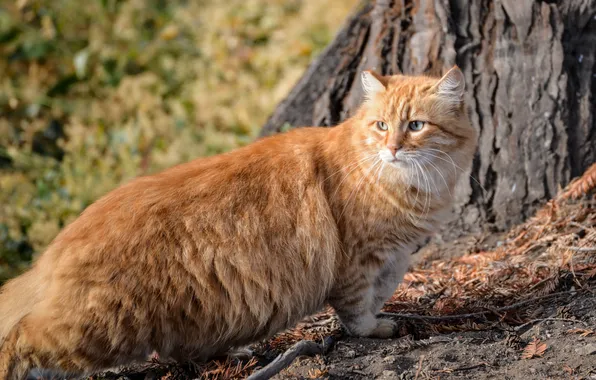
(263,178)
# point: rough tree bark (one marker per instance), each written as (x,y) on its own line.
(531,76)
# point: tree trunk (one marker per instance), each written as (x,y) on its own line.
(531,79)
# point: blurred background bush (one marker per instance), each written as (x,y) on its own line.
(96,92)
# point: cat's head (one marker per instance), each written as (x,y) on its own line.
(416,125)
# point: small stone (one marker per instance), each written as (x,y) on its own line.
(388,375)
(389,359)
(532,371)
(588,349)
(351,354)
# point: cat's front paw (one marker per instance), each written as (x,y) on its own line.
(370,326)
(386,328)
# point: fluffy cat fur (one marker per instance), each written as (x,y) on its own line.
(227,250)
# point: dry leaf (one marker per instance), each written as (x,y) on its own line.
(568,369)
(582,332)
(316,373)
(534,349)
(591,273)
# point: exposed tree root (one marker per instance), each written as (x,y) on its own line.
(304,347)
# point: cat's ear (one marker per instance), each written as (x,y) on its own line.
(372,84)
(452,85)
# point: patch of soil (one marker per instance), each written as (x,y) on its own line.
(493,354)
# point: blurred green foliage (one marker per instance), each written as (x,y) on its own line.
(93,93)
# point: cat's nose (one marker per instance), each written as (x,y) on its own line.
(393,148)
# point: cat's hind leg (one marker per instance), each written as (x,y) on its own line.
(20,353)
(13,364)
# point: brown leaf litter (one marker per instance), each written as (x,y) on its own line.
(581,185)
(534,349)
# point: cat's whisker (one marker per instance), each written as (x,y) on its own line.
(428,161)
(437,192)
(360,183)
(456,166)
(380,172)
(412,166)
(420,160)
(356,165)
(423,188)
(424,183)
(442,177)
(351,165)
(427,200)
(411,216)
(418,184)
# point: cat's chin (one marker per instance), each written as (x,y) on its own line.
(397,162)
(399,171)
(394,160)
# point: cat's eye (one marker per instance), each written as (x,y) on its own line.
(416,125)
(382,126)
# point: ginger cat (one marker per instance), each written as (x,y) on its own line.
(227,250)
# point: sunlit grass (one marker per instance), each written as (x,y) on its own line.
(93,93)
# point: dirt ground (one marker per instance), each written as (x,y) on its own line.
(492,354)
(468,355)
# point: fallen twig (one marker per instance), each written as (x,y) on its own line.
(419,367)
(407,342)
(582,249)
(304,347)
(465,368)
(540,320)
